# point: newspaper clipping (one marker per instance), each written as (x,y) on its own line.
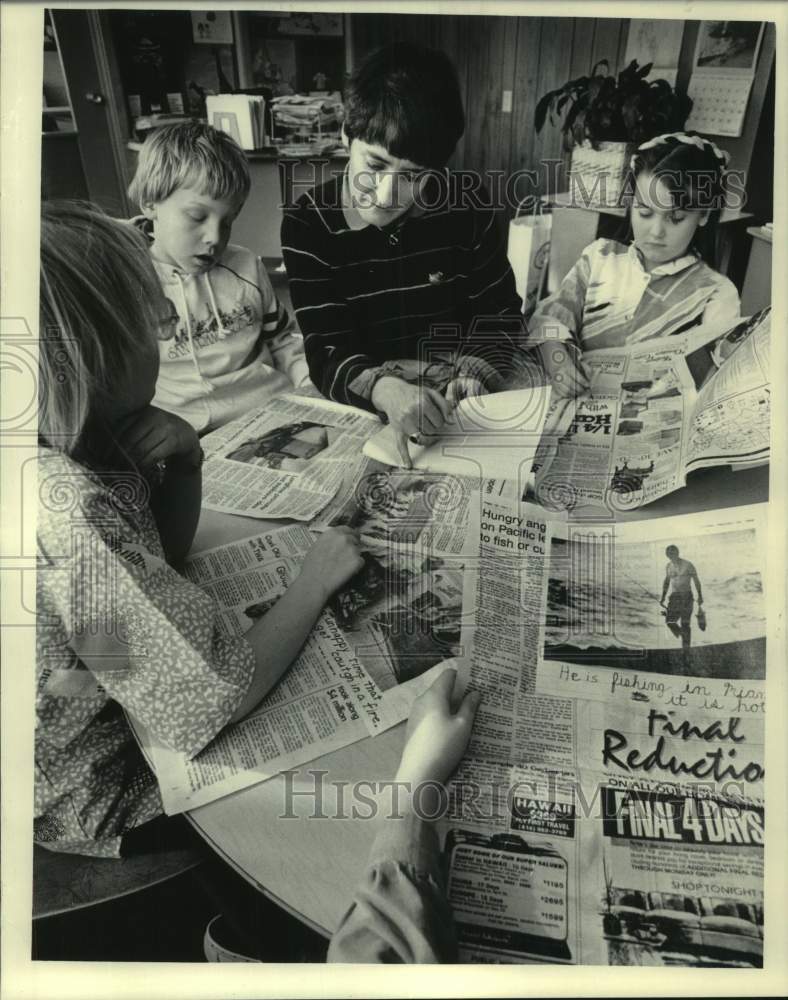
(669,610)
(286,461)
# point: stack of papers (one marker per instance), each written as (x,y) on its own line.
(308,118)
(240,115)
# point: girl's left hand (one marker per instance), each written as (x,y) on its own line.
(153,435)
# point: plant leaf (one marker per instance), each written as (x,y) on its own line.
(540,112)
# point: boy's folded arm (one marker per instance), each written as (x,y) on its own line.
(333,344)
(287,352)
(280,332)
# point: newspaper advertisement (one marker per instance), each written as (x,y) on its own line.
(511,845)
(320,704)
(287,460)
(673,835)
(671,610)
(625,827)
(655,412)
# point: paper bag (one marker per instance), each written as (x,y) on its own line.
(529,252)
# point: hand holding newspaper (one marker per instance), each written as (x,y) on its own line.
(658,410)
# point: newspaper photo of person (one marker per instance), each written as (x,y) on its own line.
(620,605)
(680,574)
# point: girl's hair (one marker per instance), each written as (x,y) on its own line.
(99,316)
(692,169)
(190,154)
(407,99)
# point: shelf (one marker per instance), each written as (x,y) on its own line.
(759,232)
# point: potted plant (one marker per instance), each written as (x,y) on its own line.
(604,118)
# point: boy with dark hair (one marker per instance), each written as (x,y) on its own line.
(391,267)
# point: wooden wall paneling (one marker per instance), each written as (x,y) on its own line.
(556,45)
(500,153)
(622,42)
(489,72)
(451,35)
(581,56)
(528,47)
(607,37)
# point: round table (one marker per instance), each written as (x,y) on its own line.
(310,863)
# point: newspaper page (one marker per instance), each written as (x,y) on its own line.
(670,610)
(621,828)
(321,704)
(672,835)
(733,412)
(382,640)
(511,845)
(286,460)
(402,614)
(655,412)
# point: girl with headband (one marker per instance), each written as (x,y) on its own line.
(656,283)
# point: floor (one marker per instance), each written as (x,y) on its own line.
(166,923)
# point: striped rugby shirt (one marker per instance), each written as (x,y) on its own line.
(608,299)
(368,297)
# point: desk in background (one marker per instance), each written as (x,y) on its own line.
(757,291)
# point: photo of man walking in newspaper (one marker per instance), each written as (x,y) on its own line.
(606,605)
(680,574)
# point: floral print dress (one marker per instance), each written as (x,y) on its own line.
(117,628)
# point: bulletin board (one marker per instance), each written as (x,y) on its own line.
(294,52)
(159,55)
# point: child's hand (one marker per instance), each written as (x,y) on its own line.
(153,435)
(412,411)
(464,387)
(437,734)
(562,363)
(333,560)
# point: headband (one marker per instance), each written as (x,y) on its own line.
(722,155)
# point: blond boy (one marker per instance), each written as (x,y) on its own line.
(234,345)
